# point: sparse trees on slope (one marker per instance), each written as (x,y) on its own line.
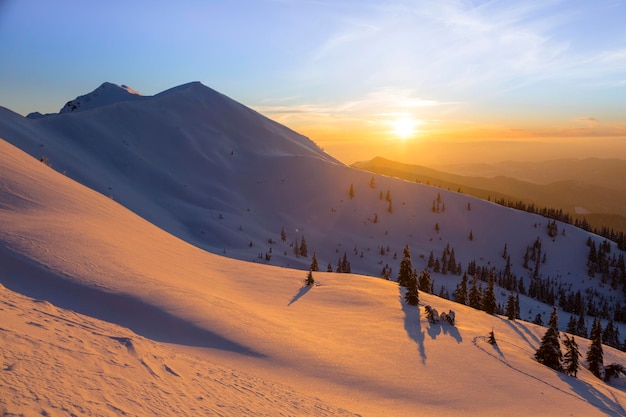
(570,359)
(549,352)
(595,355)
(406,267)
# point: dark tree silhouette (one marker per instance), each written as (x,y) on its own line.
(489,303)
(549,352)
(412,292)
(595,355)
(406,267)
(511,307)
(570,359)
(309,279)
(314,266)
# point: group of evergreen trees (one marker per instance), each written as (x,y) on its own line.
(475,297)
(550,354)
(447,263)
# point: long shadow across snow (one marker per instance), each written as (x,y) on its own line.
(23,275)
(303,290)
(611,406)
(412,325)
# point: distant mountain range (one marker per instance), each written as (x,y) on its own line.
(588,188)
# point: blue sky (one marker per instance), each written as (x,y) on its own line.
(342,72)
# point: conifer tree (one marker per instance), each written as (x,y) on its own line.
(488,302)
(309,279)
(329,267)
(595,355)
(314,266)
(345,264)
(406,267)
(475,294)
(460,294)
(283,235)
(492,338)
(581,326)
(510,307)
(549,352)
(412,292)
(571,325)
(570,359)
(425,282)
(303,248)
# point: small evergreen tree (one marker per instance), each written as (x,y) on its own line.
(460,294)
(510,307)
(595,355)
(329,267)
(314,266)
(538,320)
(406,267)
(309,279)
(283,235)
(303,248)
(425,282)
(570,359)
(345,264)
(488,302)
(549,352)
(492,338)
(475,294)
(412,292)
(613,371)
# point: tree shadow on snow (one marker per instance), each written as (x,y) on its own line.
(435,329)
(305,289)
(594,397)
(412,325)
(24,276)
(523,332)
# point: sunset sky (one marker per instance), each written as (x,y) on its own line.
(409,80)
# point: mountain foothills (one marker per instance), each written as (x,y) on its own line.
(588,192)
(129,258)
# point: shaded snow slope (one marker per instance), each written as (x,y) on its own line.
(350,341)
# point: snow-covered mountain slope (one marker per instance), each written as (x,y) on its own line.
(349,343)
(59,362)
(106,94)
(225,178)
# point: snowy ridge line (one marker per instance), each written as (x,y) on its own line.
(586,400)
